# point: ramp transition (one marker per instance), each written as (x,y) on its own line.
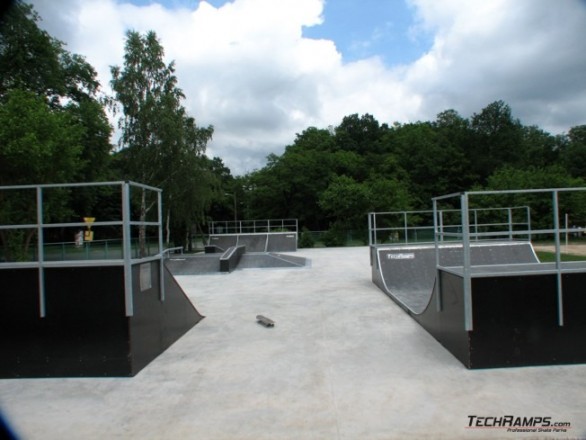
(513,301)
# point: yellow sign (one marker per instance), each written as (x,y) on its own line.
(89,234)
(89,221)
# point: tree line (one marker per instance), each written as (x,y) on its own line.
(54,128)
(330,178)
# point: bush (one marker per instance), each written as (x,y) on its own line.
(334,238)
(306,239)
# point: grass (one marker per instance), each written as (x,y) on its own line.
(549,257)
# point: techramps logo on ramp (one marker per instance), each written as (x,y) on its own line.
(401,256)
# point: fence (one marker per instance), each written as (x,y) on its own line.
(253,226)
(418,226)
(50,255)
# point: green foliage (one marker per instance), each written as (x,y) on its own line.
(330,178)
(573,155)
(306,240)
(162,145)
(37,144)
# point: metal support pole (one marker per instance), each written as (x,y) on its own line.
(466,263)
(127,249)
(161,260)
(437,257)
(41,253)
(370,230)
(510,217)
(405,227)
(558,258)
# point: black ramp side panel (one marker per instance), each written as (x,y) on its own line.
(157,324)
(516,322)
(84,333)
(447,325)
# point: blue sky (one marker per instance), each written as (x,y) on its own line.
(366,28)
(360,28)
(261,71)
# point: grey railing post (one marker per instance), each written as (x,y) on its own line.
(558,258)
(436,243)
(466,263)
(162,259)
(41,253)
(127,249)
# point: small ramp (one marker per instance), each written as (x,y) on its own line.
(206,264)
(200,264)
(256,242)
(271,260)
(512,299)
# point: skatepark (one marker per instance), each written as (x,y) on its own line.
(342,361)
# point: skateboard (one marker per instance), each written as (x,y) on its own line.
(263,320)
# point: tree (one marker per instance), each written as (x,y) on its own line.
(162,142)
(573,156)
(553,176)
(497,139)
(35,143)
(53,127)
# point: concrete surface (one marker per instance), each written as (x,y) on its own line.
(342,362)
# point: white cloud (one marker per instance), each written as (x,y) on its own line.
(246,69)
(525,52)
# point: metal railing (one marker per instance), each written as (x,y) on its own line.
(253,226)
(405,227)
(40,260)
(467,234)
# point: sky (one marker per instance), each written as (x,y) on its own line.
(262,71)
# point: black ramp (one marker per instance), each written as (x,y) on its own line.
(157,324)
(514,302)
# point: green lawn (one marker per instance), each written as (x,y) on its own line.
(549,257)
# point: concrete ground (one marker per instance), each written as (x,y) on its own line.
(342,362)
